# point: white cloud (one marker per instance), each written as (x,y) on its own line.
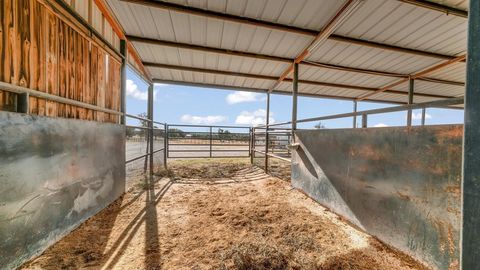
(240,97)
(254,118)
(203,120)
(418,116)
(133,91)
(381,125)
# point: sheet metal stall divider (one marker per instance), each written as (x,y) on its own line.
(272,128)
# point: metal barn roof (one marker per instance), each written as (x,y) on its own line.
(349,49)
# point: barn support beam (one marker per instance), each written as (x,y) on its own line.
(470,234)
(424,111)
(267,122)
(355,103)
(294,100)
(411,89)
(150,123)
(123,80)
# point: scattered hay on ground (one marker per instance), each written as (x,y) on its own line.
(217,215)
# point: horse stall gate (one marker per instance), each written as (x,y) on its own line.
(201,141)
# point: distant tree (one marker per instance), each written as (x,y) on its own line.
(130,132)
(143,123)
(224,134)
(176,133)
(319,125)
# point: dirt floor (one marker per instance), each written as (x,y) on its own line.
(217,214)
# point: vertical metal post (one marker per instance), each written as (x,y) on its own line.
(355,117)
(252,155)
(165,144)
(424,111)
(411,88)
(211,138)
(267,122)
(364,121)
(150,117)
(469,232)
(167,134)
(294,100)
(249,142)
(123,79)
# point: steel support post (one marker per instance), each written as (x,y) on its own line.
(364,120)
(252,158)
(267,122)
(424,111)
(470,233)
(250,145)
(294,100)
(150,116)
(211,139)
(165,143)
(123,79)
(411,88)
(355,117)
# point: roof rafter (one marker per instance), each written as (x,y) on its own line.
(281,27)
(438,7)
(273,78)
(256,90)
(187,46)
(415,76)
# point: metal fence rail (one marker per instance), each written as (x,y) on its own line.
(142,141)
(202,141)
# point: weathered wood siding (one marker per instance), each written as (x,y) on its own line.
(44,48)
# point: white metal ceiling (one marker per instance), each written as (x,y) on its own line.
(390,22)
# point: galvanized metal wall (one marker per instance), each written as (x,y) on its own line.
(54,174)
(400,185)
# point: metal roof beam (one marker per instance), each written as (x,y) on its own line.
(438,7)
(415,76)
(279,27)
(187,46)
(273,78)
(277,92)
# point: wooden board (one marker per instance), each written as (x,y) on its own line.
(44,50)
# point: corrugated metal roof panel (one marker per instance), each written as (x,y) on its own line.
(352,55)
(382,21)
(405,25)
(343,77)
(309,14)
(207,60)
(320,90)
(456,72)
(426,87)
(205,78)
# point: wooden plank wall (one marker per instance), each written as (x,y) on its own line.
(43,49)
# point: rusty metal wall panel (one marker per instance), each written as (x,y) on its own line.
(54,174)
(400,185)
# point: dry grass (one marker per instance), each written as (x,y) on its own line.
(218,214)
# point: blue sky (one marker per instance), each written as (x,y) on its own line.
(193,105)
